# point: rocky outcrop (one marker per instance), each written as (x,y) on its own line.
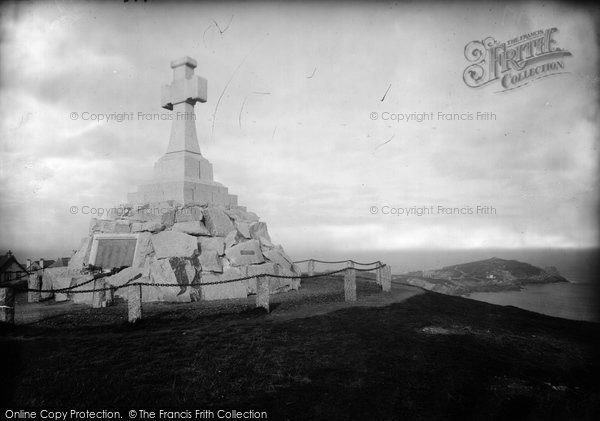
(489,275)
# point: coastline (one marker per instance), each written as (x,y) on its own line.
(572,301)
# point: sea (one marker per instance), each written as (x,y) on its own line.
(577,300)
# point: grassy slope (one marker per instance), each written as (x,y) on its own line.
(375,363)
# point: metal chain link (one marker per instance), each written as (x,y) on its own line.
(338,261)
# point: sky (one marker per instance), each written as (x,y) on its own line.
(295,122)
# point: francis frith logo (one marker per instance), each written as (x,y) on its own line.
(516,62)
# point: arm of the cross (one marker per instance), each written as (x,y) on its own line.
(199,86)
(184,90)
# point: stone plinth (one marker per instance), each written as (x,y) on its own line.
(184,177)
(183,192)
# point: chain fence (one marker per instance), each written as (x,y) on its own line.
(103,294)
(75,289)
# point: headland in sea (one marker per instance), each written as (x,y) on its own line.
(579,299)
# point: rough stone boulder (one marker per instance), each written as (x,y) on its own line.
(122,278)
(60,282)
(217,222)
(49,280)
(83,284)
(191,227)
(245,253)
(244,229)
(233,238)
(122,226)
(189,213)
(266,244)
(241,215)
(143,213)
(223,291)
(258,230)
(82,256)
(212,243)
(173,244)
(153,226)
(278,256)
(269,268)
(110,226)
(168,218)
(143,250)
(176,271)
(210,261)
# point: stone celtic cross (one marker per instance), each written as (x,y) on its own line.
(180,97)
(182,174)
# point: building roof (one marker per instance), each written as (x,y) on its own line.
(48,263)
(59,262)
(7,260)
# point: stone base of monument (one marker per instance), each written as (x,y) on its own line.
(187,251)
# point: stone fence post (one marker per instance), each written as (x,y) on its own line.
(378,274)
(386,278)
(350,283)
(109,298)
(262,292)
(311,267)
(98,294)
(34,283)
(134,304)
(7,305)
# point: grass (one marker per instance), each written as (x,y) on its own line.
(430,357)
